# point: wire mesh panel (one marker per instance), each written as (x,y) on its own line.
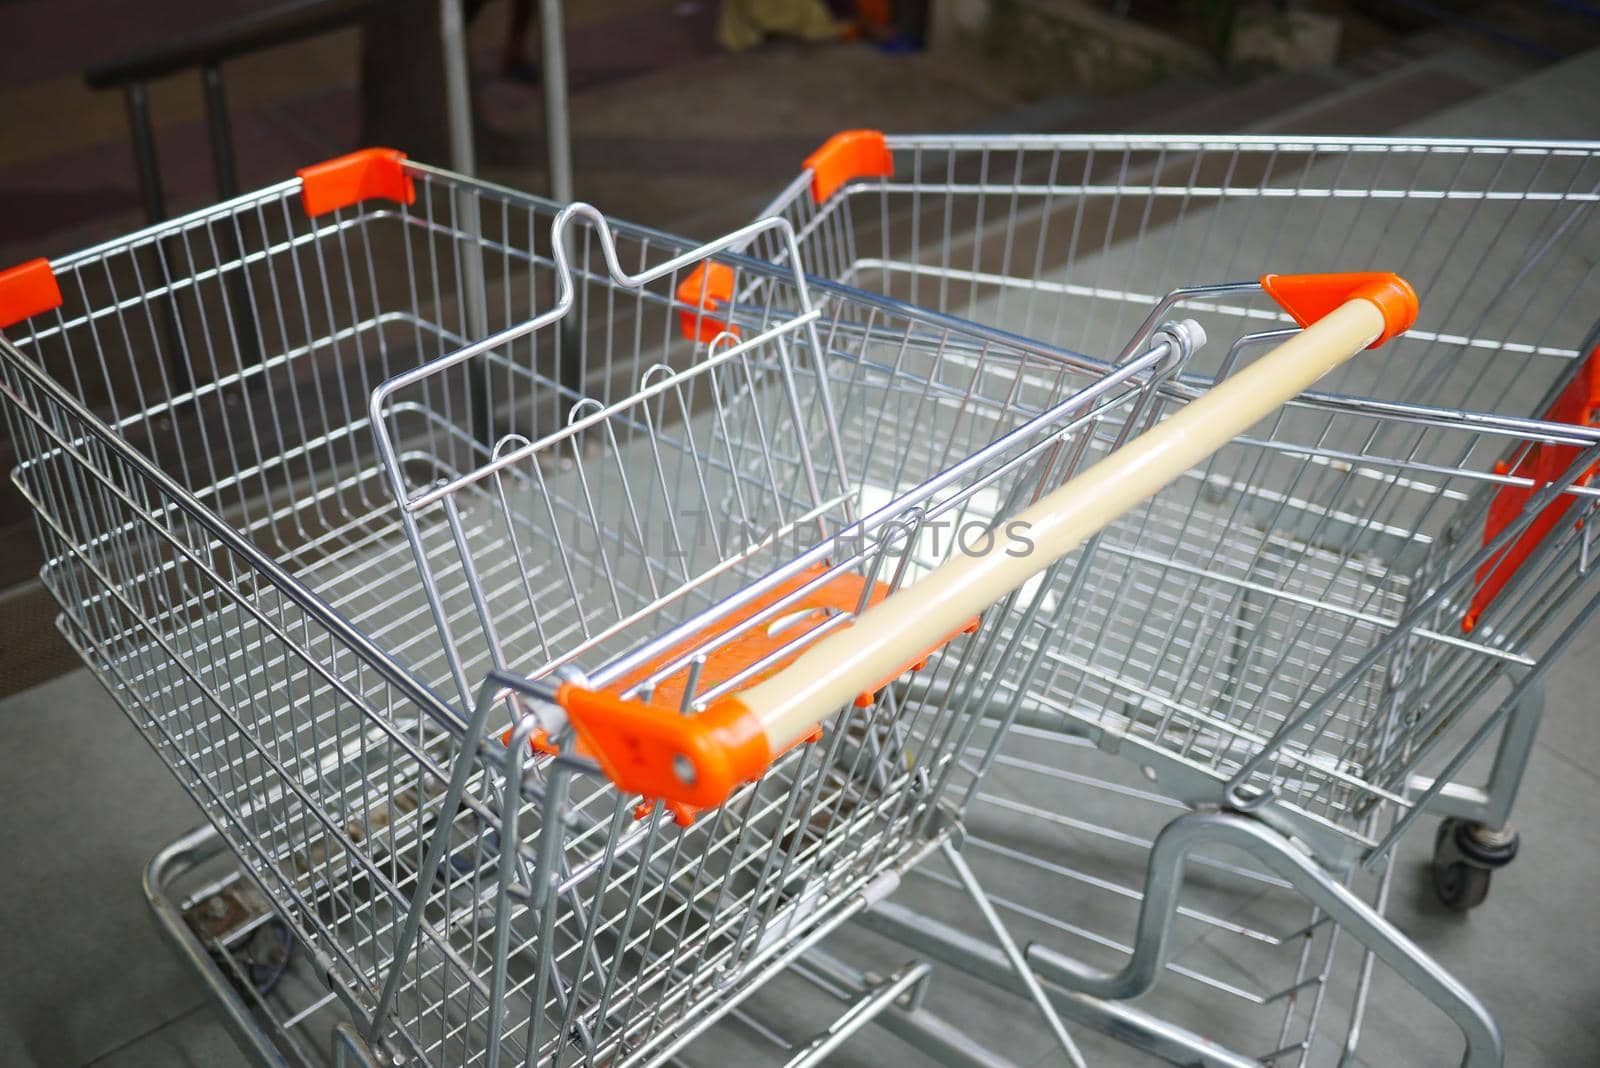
(1352,518)
(684,540)
(1071,240)
(311,753)
(1316,625)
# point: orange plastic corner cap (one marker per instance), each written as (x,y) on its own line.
(1308,297)
(26,290)
(683,815)
(372,173)
(705,288)
(647,750)
(846,156)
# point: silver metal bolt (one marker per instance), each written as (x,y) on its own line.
(683,768)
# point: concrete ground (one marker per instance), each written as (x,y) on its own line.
(86,803)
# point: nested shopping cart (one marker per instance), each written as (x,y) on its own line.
(551,615)
(1201,659)
(1076,239)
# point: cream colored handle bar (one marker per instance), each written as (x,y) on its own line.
(699,759)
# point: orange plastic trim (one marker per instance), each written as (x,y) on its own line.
(606,723)
(839,594)
(26,290)
(1543,464)
(372,173)
(683,815)
(846,156)
(539,741)
(1308,297)
(707,287)
(639,746)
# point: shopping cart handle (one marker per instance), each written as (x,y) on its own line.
(699,760)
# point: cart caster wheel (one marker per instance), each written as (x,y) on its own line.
(1460,887)
(1465,856)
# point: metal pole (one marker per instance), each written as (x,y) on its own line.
(554,42)
(558,137)
(1013,954)
(240,306)
(155,210)
(457,88)
(463,159)
(222,160)
(144,153)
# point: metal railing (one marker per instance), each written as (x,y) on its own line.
(206,51)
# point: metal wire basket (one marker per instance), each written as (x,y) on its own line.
(1071,239)
(202,434)
(462,554)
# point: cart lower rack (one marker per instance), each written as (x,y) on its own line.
(394,508)
(282,1016)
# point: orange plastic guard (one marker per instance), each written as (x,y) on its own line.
(703,289)
(847,155)
(636,742)
(26,290)
(1543,463)
(372,173)
(1308,297)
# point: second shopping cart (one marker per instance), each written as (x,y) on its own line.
(1075,240)
(1210,643)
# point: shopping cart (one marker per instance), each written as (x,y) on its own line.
(190,407)
(341,483)
(1073,239)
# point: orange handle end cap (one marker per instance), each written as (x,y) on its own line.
(372,173)
(705,288)
(845,156)
(1396,300)
(1308,297)
(26,290)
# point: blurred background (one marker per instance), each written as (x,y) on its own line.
(688,113)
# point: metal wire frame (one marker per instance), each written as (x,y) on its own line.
(1264,488)
(664,501)
(219,537)
(1250,970)
(162,335)
(343,779)
(303,744)
(1283,628)
(1070,238)
(423,394)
